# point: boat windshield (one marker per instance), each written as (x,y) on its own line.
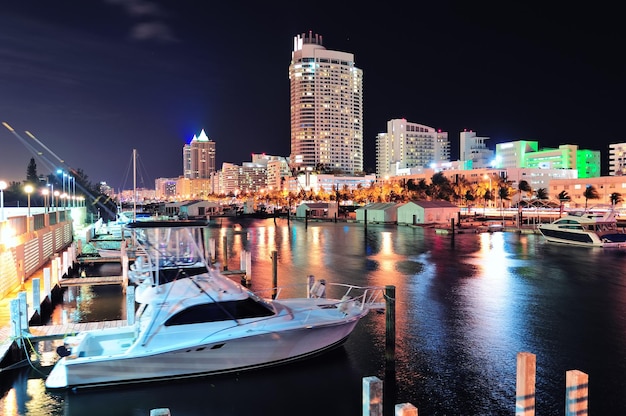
(170,247)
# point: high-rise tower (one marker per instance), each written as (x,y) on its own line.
(199,157)
(326,108)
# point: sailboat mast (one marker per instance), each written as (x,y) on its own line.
(134,185)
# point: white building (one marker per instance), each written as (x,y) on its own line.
(474,148)
(617,159)
(326,108)
(408,145)
(199,157)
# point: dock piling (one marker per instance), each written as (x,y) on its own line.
(525,385)
(576,393)
(130,305)
(372,396)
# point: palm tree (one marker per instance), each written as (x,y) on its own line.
(524,186)
(542,194)
(615,198)
(563,197)
(590,193)
(504,194)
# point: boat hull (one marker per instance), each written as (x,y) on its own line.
(218,357)
(585,239)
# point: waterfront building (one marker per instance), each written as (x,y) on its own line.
(536,178)
(513,154)
(617,159)
(242,179)
(199,157)
(575,188)
(474,149)
(165,188)
(409,145)
(326,90)
(277,172)
(526,154)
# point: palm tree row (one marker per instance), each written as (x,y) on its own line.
(461,192)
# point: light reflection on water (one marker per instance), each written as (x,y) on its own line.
(464,310)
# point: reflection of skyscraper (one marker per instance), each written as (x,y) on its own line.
(199,157)
(326,108)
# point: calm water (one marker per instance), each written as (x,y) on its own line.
(464,310)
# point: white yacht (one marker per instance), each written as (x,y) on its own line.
(582,228)
(191,320)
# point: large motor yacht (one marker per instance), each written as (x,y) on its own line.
(192,320)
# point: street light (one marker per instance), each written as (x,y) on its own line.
(29,190)
(45,192)
(55,200)
(3,186)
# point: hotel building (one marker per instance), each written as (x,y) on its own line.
(409,145)
(326,108)
(199,157)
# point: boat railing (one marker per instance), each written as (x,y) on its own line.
(371,297)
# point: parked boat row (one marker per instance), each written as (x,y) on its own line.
(192,320)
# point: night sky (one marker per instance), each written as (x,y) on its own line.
(93,80)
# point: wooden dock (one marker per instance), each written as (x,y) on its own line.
(91,281)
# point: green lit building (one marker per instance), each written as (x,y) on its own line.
(526,154)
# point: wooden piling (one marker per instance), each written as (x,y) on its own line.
(130,305)
(372,396)
(525,385)
(405,409)
(576,393)
(125,273)
(23,303)
(16,322)
(390,326)
(160,412)
(212,250)
(47,286)
(452,227)
(37,296)
(274,273)
(225,253)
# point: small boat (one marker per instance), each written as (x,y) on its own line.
(583,228)
(193,321)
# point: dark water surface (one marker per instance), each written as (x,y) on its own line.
(464,310)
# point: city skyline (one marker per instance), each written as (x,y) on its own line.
(94,81)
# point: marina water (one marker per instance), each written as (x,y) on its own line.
(466,305)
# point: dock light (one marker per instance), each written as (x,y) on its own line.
(29,190)
(45,192)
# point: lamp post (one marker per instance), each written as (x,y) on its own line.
(29,190)
(45,192)
(3,186)
(55,199)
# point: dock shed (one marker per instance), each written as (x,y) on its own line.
(427,212)
(378,212)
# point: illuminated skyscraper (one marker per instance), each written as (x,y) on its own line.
(326,108)
(199,157)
